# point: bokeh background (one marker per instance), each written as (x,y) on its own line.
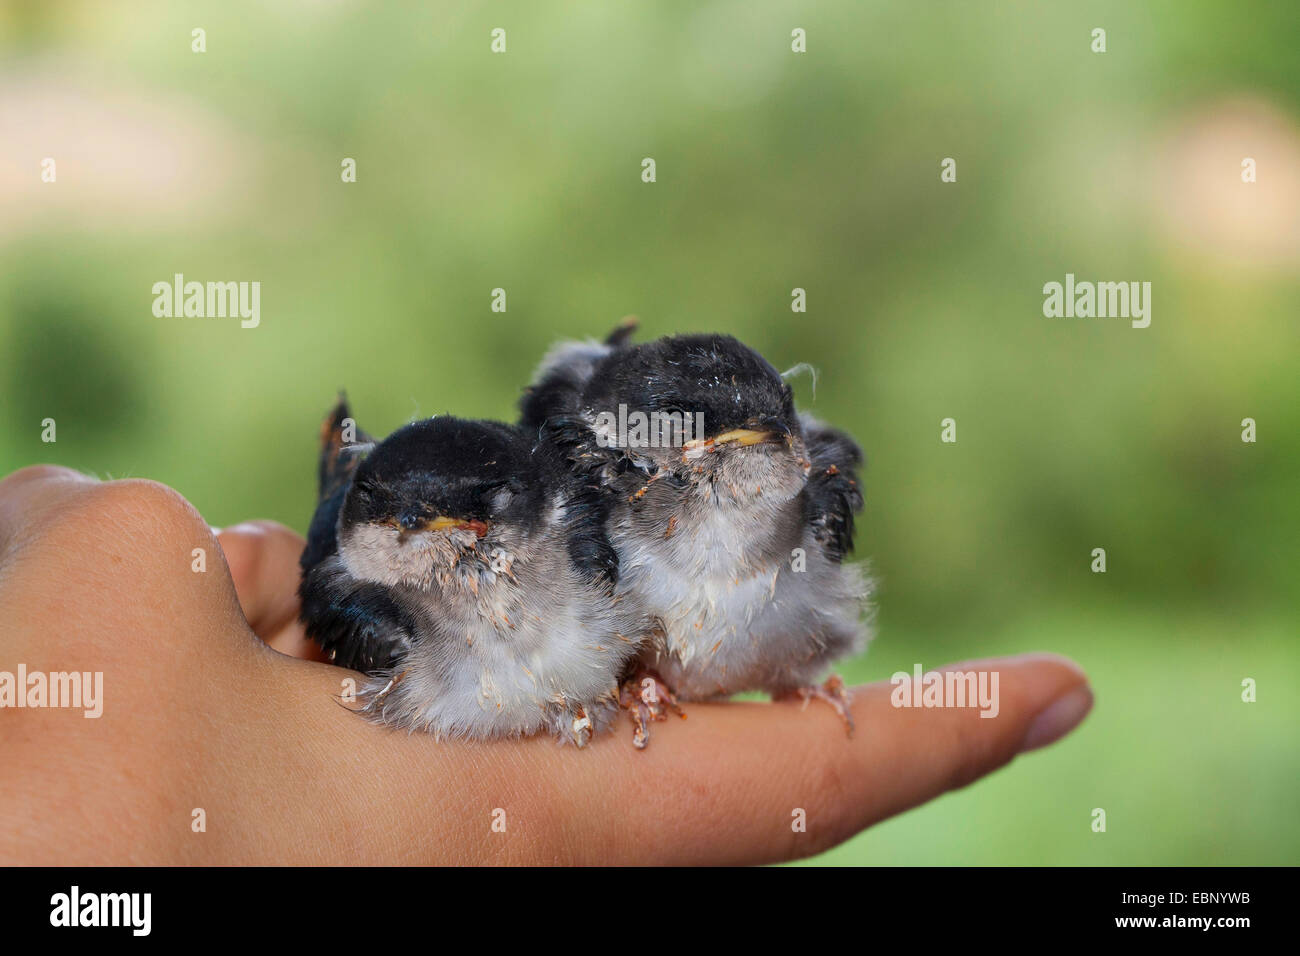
(775,171)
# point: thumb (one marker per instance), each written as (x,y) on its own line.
(263,561)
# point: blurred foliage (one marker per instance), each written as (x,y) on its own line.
(775,170)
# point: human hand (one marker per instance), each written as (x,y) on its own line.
(202,711)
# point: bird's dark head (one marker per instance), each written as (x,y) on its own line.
(439,494)
(739,428)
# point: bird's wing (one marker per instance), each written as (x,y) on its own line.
(833,494)
(358,623)
(562,464)
(550,410)
(564,372)
(590,549)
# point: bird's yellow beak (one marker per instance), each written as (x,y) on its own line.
(738,436)
(742,436)
(443,523)
(440,522)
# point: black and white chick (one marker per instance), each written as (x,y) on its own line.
(732,535)
(458,565)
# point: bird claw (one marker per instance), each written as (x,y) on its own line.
(376,700)
(833,691)
(646,698)
(582,728)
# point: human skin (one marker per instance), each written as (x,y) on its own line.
(212,701)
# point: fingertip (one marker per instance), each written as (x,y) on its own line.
(1029,683)
(1058,665)
(1058,718)
(1059,698)
(1049,659)
(263,560)
(256,548)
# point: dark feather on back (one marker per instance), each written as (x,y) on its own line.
(833,495)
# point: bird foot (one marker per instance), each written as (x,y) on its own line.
(646,698)
(375,701)
(581,727)
(833,691)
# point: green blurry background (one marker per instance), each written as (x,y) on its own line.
(775,171)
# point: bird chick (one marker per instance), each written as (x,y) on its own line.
(458,565)
(730,512)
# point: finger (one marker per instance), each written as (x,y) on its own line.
(263,560)
(727,784)
(721,787)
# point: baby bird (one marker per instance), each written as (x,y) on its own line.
(731,513)
(460,567)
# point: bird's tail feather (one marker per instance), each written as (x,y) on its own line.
(622,332)
(343,445)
